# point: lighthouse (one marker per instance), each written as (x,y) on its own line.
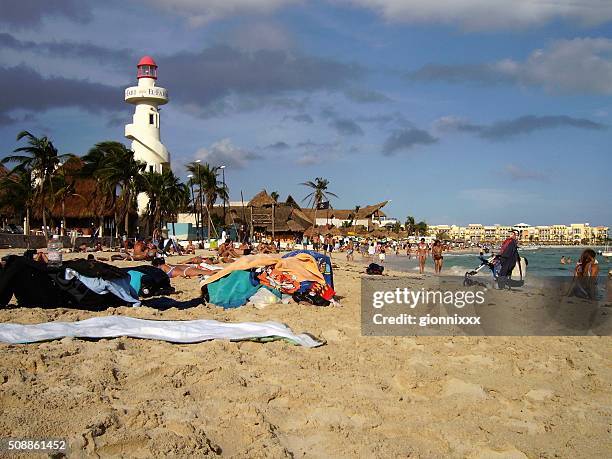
(144,129)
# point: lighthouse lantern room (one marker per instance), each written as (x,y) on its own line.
(144,129)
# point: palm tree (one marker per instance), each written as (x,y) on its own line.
(63,189)
(318,195)
(210,188)
(421,228)
(41,159)
(354,216)
(274,195)
(17,193)
(114,166)
(153,186)
(167,197)
(410,225)
(175,197)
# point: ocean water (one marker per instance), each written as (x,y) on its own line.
(542,262)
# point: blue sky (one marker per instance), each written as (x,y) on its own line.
(457,112)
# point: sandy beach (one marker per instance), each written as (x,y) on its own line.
(426,397)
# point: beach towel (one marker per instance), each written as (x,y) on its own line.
(174,331)
(303,266)
(233,290)
(119,287)
(323,261)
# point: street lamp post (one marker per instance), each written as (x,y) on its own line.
(223,173)
(198,161)
(195,210)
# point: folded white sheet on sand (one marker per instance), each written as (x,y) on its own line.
(175,331)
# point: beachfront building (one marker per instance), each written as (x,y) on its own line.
(144,130)
(575,233)
(369,217)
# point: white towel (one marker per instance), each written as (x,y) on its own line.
(175,331)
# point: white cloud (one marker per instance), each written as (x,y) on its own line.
(225,153)
(489,14)
(201,12)
(309,159)
(578,65)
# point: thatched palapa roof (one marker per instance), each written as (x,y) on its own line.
(262,199)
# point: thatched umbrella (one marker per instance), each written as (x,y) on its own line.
(262,199)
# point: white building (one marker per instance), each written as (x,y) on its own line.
(144,129)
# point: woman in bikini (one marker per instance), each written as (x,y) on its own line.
(186,271)
(436,254)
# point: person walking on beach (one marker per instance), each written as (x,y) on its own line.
(409,251)
(349,251)
(421,253)
(436,254)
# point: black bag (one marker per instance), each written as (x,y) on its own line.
(373,268)
(154,282)
(93,268)
(35,284)
(310,297)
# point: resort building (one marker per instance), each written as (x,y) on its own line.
(370,216)
(575,233)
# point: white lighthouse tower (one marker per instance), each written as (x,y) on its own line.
(144,129)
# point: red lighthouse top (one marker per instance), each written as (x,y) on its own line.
(147,68)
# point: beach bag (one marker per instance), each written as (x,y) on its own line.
(374,268)
(153,282)
(94,268)
(29,281)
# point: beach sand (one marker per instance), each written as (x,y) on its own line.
(429,397)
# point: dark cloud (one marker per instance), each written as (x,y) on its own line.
(503,130)
(365,96)
(385,119)
(219,80)
(23,88)
(216,72)
(118,58)
(278,146)
(300,118)
(27,13)
(345,126)
(316,145)
(405,139)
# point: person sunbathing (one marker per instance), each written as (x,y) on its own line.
(140,252)
(227,253)
(190,249)
(186,271)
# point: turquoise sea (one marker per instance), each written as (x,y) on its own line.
(542,262)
